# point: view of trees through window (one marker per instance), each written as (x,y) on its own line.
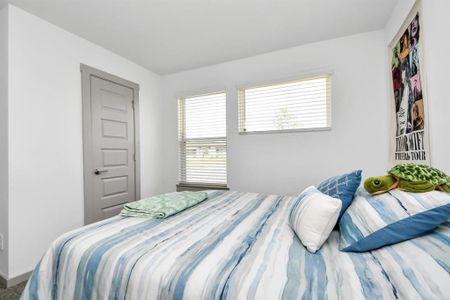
(302,104)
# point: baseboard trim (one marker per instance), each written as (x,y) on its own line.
(7,283)
(3,282)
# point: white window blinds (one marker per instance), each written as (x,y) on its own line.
(296,105)
(202,138)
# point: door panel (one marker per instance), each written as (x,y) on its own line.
(113,148)
(115,157)
(112,211)
(114,129)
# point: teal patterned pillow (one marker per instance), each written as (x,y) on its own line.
(342,187)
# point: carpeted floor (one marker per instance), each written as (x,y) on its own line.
(13,293)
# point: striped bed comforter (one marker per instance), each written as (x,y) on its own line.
(233,246)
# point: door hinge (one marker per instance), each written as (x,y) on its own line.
(134,157)
(132,104)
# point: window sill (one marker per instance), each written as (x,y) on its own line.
(286,131)
(181,187)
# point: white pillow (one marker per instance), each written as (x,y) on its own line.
(313,217)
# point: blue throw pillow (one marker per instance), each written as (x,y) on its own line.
(375,221)
(342,187)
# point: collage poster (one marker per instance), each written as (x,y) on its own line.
(410,119)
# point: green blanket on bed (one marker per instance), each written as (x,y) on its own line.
(163,206)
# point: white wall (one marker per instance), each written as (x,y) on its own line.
(45,130)
(287,163)
(397,18)
(4,137)
(436,49)
(435,26)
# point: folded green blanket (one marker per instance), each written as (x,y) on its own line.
(163,206)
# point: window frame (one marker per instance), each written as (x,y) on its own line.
(181,112)
(242,106)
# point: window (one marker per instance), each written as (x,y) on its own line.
(202,138)
(297,105)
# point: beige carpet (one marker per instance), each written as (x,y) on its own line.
(13,293)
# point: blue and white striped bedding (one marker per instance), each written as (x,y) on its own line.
(375,221)
(233,246)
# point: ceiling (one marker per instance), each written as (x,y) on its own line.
(168,36)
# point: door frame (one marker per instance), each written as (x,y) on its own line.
(87,73)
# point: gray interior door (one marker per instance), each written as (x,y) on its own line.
(111,175)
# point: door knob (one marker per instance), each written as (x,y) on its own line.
(99,171)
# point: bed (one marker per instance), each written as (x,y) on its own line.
(233,246)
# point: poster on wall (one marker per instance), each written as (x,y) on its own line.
(411,124)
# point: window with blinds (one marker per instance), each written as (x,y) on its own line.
(291,106)
(202,138)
